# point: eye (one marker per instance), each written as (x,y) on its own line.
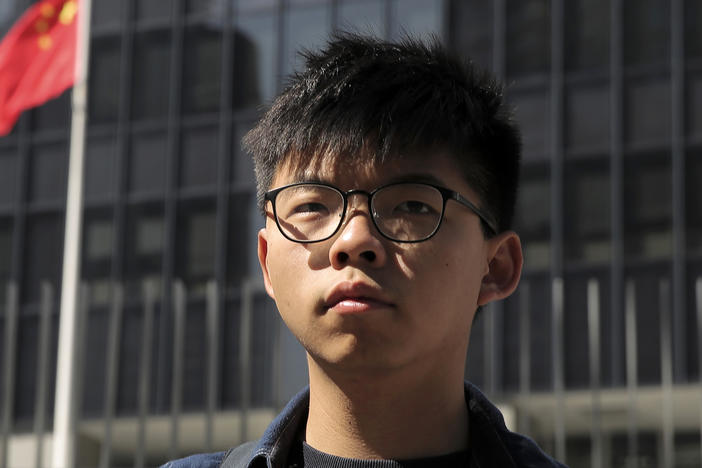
(311,208)
(414,207)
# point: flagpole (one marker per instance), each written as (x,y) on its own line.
(65,403)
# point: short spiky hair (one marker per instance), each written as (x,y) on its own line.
(364,98)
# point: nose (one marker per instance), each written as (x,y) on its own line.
(359,242)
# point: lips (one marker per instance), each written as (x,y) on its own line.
(356,297)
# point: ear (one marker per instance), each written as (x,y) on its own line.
(504,267)
(262,260)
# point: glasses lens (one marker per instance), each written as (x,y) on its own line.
(408,212)
(309,212)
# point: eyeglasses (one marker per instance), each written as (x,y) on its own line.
(402,212)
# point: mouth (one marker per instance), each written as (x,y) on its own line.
(350,298)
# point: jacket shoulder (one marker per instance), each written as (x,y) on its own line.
(200,460)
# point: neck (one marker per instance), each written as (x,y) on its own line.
(390,415)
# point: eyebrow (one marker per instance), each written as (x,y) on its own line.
(420,177)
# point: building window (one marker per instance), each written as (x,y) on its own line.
(100,168)
(5,257)
(419,18)
(147,163)
(533,113)
(256,71)
(471,25)
(365,16)
(151,77)
(9,174)
(108,12)
(646,32)
(586,34)
(693,29)
(241,239)
(533,216)
(195,244)
(648,202)
(693,105)
(49,172)
(42,255)
(648,111)
(98,243)
(242,168)
(105,73)
(202,70)
(199,157)
(693,201)
(55,114)
(587,211)
(306,27)
(154,9)
(587,121)
(528,46)
(144,246)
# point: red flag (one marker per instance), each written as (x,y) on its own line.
(37,58)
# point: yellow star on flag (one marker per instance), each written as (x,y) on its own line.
(68,12)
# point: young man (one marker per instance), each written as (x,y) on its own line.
(387,173)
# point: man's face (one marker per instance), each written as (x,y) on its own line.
(359,301)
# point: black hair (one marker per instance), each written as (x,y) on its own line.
(364,98)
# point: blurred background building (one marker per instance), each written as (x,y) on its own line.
(597,356)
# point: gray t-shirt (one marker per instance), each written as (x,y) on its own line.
(305,456)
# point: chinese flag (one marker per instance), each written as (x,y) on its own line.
(37,58)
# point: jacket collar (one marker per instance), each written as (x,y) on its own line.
(492,444)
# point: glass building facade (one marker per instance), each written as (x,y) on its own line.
(597,355)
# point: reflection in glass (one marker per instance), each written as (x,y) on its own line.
(104,80)
(256,46)
(693,29)
(154,9)
(693,105)
(646,31)
(7,15)
(471,30)
(307,28)
(49,171)
(528,44)
(55,114)
(366,17)
(647,108)
(98,239)
(202,65)
(242,169)
(195,243)
(107,12)
(417,17)
(648,206)
(586,34)
(5,253)
(147,163)
(200,147)
(587,117)
(240,238)
(532,111)
(693,201)
(101,177)
(150,85)
(587,211)
(8,176)
(533,216)
(143,247)
(42,255)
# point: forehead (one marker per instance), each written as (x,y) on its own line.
(349,172)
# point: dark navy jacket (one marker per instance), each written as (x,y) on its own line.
(491,444)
